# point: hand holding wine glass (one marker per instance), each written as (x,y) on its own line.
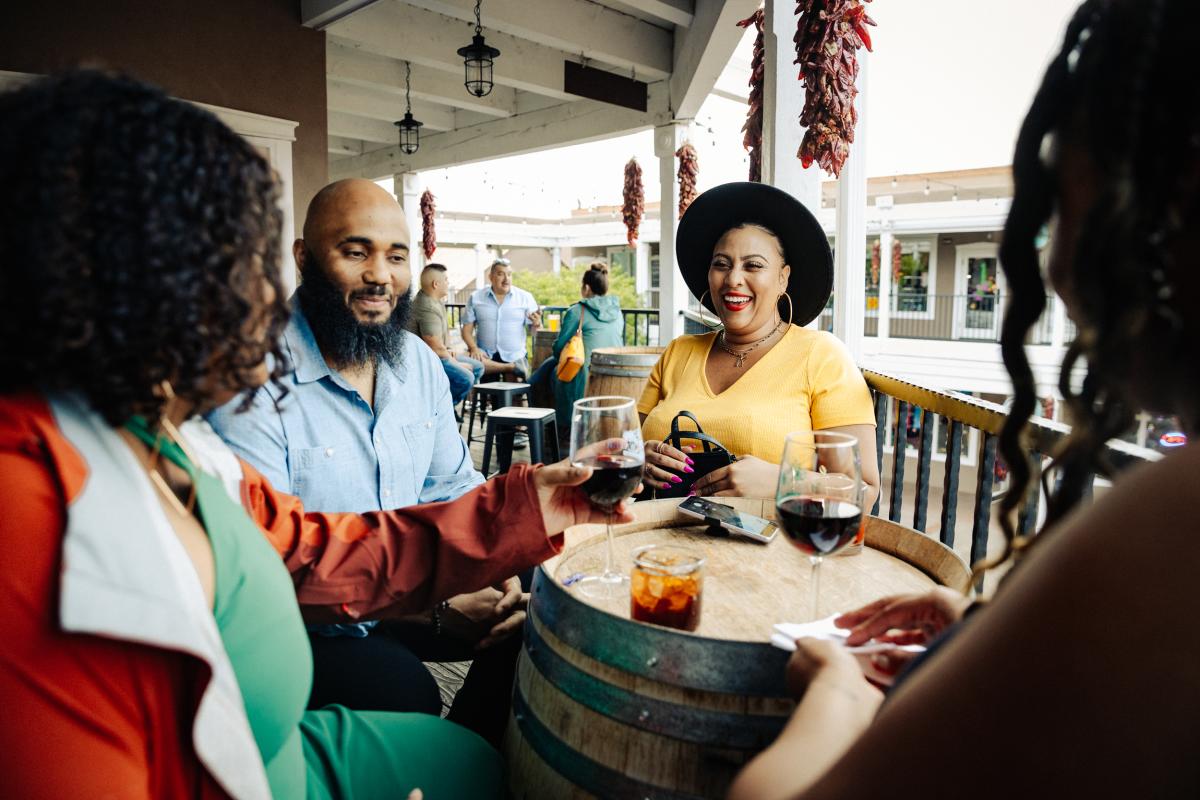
(819,499)
(616,474)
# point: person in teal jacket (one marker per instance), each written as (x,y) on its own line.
(603,326)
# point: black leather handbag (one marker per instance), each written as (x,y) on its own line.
(710,456)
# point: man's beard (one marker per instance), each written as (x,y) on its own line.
(345,342)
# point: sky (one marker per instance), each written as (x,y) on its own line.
(947,87)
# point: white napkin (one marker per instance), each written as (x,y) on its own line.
(786,634)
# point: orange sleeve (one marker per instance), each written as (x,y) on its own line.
(82,714)
(354,566)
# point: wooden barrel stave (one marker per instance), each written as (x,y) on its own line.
(587,675)
(620,370)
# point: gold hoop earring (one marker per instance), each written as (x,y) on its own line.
(702,299)
(790,307)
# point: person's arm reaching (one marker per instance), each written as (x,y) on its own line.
(352,566)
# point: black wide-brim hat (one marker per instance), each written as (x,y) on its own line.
(805,247)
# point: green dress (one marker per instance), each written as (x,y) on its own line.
(603,326)
(333,752)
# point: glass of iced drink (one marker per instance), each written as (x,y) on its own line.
(665,588)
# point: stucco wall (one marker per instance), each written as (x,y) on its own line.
(249,55)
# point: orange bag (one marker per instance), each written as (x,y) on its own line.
(571,359)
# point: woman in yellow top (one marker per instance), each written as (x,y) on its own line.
(760,260)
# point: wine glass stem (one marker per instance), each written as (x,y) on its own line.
(608,550)
(816,586)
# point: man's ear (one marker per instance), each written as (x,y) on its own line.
(298,250)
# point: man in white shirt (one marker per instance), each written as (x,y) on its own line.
(495,320)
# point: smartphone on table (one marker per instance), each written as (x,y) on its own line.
(729,518)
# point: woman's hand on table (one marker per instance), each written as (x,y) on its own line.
(662,457)
(563,503)
(746,477)
(905,619)
(825,663)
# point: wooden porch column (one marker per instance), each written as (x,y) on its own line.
(672,292)
(408,189)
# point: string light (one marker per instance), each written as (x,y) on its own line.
(894,182)
(926,187)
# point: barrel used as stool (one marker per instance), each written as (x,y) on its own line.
(543,348)
(620,370)
(606,707)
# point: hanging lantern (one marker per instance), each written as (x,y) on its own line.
(477,58)
(410,129)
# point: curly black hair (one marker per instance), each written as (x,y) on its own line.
(1122,91)
(138,238)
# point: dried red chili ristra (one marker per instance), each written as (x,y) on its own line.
(689,168)
(635,202)
(428,233)
(752,129)
(828,34)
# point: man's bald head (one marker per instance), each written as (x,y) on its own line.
(349,197)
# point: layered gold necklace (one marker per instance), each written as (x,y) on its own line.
(740,355)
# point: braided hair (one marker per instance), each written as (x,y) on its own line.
(139,243)
(1120,94)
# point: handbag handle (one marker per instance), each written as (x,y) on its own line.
(677,436)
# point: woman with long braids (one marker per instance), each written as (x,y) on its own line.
(1082,669)
(153,584)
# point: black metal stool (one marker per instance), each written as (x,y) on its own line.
(496,393)
(502,426)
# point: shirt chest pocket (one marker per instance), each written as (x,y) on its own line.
(324,477)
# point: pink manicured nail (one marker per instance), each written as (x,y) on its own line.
(690,462)
(692,493)
(688,469)
(676,479)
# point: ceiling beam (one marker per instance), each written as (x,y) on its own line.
(348,65)
(341,146)
(573,26)
(571,123)
(676,12)
(404,32)
(349,126)
(385,106)
(320,14)
(703,50)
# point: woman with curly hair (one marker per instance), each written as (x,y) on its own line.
(1080,673)
(154,584)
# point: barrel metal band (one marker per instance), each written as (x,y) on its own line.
(714,665)
(686,723)
(589,775)
(620,373)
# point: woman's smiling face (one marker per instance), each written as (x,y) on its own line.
(746,276)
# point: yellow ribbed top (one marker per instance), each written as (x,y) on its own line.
(807,381)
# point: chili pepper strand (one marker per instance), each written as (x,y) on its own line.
(428,233)
(753,127)
(689,168)
(635,202)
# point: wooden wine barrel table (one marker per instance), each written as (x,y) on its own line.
(543,348)
(606,707)
(620,370)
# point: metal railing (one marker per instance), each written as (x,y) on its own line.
(895,398)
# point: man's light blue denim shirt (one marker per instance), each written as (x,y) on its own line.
(327,446)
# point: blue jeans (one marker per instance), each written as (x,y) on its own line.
(460,383)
